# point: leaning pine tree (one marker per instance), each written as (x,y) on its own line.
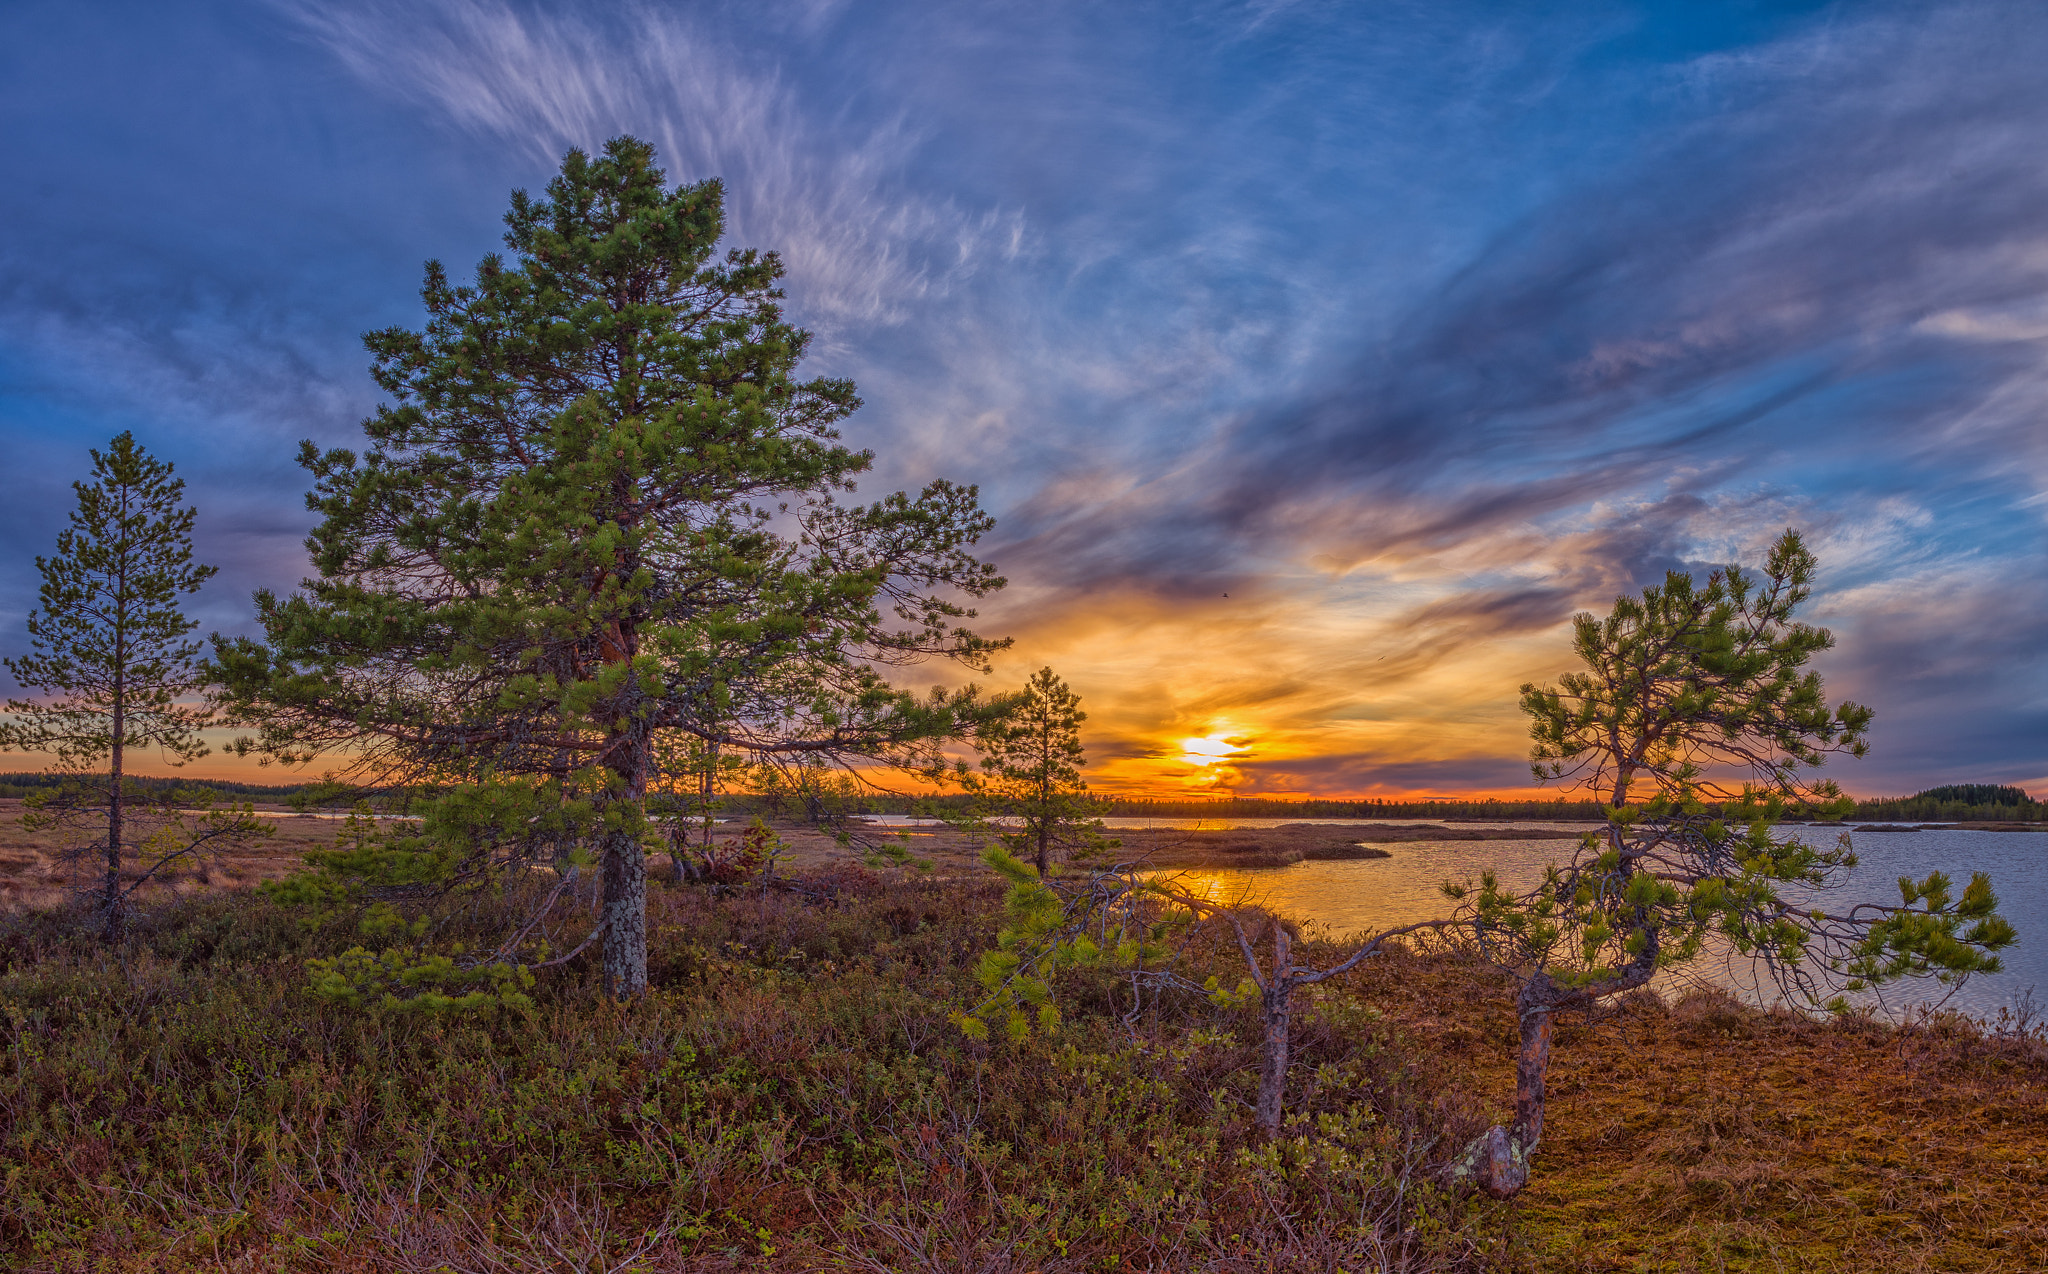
(1686,689)
(602,512)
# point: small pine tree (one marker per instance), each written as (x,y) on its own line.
(1031,773)
(111,659)
(1687,688)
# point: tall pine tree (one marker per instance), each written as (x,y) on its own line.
(603,508)
(109,641)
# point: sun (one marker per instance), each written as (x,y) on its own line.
(1203,752)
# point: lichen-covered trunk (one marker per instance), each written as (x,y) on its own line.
(623,870)
(629,755)
(623,867)
(1532,1073)
(625,915)
(1275,1001)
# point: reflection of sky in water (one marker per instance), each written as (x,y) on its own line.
(1367,895)
(1225,824)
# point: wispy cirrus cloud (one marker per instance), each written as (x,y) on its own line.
(826,191)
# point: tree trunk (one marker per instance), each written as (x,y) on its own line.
(112,900)
(111,893)
(1498,1161)
(623,868)
(622,865)
(710,790)
(625,915)
(1532,1073)
(1275,1001)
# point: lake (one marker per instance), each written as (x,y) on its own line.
(1364,896)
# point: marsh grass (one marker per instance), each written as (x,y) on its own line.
(40,867)
(790,1095)
(1704,1135)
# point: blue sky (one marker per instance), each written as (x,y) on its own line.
(1412,328)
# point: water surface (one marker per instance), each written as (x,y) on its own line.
(1365,896)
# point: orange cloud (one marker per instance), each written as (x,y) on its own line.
(1310,685)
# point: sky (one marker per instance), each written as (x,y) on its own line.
(1318,360)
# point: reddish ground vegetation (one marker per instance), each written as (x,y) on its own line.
(1707,1136)
(792,1096)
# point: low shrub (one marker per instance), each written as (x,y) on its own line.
(790,1095)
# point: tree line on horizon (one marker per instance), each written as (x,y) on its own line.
(1954,803)
(599,564)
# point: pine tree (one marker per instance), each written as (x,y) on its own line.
(1688,691)
(110,648)
(601,510)
(1031,773)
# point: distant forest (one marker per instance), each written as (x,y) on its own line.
(1958,803)
(1954,803)
(1975,802)
(18,785)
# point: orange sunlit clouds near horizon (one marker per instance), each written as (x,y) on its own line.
(1400,682)
(1311,686)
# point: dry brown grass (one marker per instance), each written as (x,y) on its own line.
(35,870)
(1705,1136)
